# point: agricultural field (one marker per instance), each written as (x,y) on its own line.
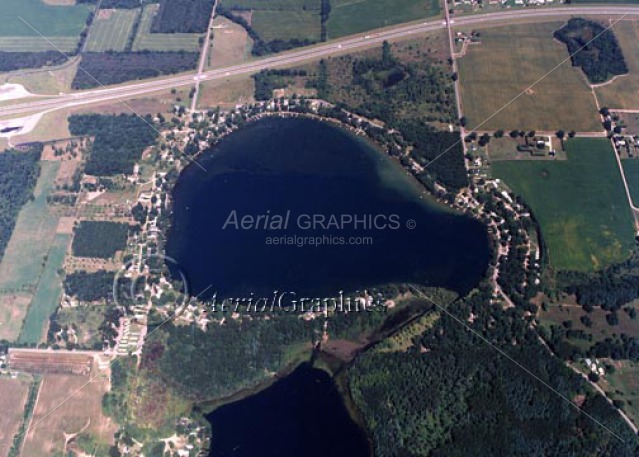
(111,29)
(623,92)
(80,414)
(48,293)
(47,20)
(37,44)
(287,25)
(497,73)
(631,171)
(230,44)
(12,403)
(25,258)
(355,16)
(580,204)
(145,40)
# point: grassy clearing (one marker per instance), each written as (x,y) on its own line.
(354,16)
(25,257)
(48,293)
(631,171)
(226,93)
(580,203)
(86,321)
(623,92)
(624,385)
(287,25)
(145,40)
(230,44)
(48,20)
(112,32)
(507,62)
(49,82)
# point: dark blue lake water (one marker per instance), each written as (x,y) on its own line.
(291,181)
(301,415)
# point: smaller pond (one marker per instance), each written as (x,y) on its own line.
(301,415)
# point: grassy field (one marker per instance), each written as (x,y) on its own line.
(507,62)
(631,170)
(272,4)
(145,40)
(35,44)
(226,93)
(230,43)
(49,82)
(48,293)
(287,25)
(48,20)
(580,203)
(82,412)
(624,385)
(111,32)
(623,92)
(354,16)
(24,260)
(12,403)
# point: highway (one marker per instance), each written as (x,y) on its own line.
(137,88)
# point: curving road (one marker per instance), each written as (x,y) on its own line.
(295,57)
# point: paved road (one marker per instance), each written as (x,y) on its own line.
(296,57)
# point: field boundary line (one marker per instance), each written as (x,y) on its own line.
(192,160)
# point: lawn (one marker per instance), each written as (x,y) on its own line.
(111,32)
(48,293)
(145,40)
(287,25)
(47,20)
(508,61)
(623,92)
(355,16)
(580,204)
(25,257)
(631,170)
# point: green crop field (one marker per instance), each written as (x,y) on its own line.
(631,171)
(35,44)
(145,40)
(623,92)
(287,25)
(111,33)
(496,74)
(47,20)
(22,264)
(580,204)
(355,16)
(48,292)
(272,4)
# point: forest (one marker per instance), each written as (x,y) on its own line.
(266,81)
(118,141)
(452,394)
(10,61)
(593,48)
(228,357)
(100,239)
(19,173)
(90,287)
(182,16)
(104,68)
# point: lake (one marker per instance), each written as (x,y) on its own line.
(299,415)
(305,206)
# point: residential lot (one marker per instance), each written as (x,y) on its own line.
(580,203)
(496,74)
(623,92)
